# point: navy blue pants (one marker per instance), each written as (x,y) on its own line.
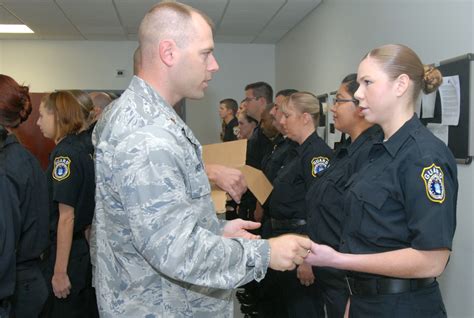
(31,292)
(423,303)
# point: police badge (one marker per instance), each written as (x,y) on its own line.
(61,168)
(318,164)
(433,177)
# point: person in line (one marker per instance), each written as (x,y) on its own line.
(247,125)
(287,206)
(160,249)
(227,112)
(24,218)
(325,197)
(400,208)
(71,186)
(100,100)
(257,96)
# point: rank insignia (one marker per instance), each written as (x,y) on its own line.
(318,164)
(433,177)
(61,168)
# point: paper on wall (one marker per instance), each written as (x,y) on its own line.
(450,94)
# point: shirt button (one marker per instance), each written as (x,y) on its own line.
(343,242)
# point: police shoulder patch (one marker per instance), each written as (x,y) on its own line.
(318,164)
(61,169)
(433,177)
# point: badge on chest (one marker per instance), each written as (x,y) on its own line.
(318,164)
(61,168)
(433,178)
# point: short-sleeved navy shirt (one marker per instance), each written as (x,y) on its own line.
(294,179)
(258,145)
(229,130)
(71,181)
(27,177)
(325,197)
(278,158)
(404,197)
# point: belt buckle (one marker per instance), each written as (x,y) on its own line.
(348,285)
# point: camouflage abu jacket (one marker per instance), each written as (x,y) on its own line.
(156,245)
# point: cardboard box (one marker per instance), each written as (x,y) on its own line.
(233,154)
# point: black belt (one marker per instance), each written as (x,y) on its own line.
(381,286)
(287,224)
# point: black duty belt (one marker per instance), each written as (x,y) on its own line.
(287,224)
(381,286)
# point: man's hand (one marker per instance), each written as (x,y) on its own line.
(228,179)
(61,285)
(287,251)
(238,227)
(321,255)
(305,274)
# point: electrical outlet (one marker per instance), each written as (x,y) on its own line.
(120,73)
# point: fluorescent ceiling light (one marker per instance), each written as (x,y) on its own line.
(15,28)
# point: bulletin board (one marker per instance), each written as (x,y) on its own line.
(460,141)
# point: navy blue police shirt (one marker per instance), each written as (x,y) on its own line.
(9,231)
(278,158)
(71,181)
(229,130)
(295,178)
(27,178)
(325,197)
(404,197)
(258,145)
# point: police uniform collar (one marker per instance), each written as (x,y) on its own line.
(11,139)
(394,143)
(307,142)
(372,132)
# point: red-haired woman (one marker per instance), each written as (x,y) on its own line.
(24,214)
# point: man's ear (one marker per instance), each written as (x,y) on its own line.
(167,52)
(401,84)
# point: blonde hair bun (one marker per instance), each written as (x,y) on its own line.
(432,79)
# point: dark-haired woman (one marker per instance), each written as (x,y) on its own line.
(325,197)
(25,192)
(401,205)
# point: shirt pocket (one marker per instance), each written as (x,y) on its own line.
(366,209)
(198,183)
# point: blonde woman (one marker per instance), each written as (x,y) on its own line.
(401,206)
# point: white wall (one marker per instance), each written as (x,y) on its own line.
(330,42)
(240,64)
(50,65)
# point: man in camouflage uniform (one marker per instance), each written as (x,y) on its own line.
(157,246)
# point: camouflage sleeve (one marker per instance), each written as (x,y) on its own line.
(171,217)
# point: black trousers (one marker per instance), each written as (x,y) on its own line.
(79,303)
(335,300)
(423,303)
(31,291)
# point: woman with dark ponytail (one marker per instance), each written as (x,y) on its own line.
(24,198)
(400,208)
